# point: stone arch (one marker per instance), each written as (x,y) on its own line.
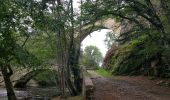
(100,24)
(23,80)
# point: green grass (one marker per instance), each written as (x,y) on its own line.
(79,97)
(103,72)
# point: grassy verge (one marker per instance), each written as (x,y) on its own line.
(80,97)
(103,72)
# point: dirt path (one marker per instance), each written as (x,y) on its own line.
(128,88)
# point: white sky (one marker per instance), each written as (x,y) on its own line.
(75,3)
(96,38)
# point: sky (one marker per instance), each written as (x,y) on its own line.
(76,3)
(96,38)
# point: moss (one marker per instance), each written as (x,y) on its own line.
(131,58)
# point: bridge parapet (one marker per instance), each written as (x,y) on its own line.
(88,87)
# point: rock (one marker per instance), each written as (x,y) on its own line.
(160,82)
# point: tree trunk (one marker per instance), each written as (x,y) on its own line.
(73,63)
(8,83)
(78,80)
(72,58)
(71,87)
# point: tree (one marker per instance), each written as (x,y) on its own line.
(92,57)
(109,39)
(15,30)
(7,43)
(22,24)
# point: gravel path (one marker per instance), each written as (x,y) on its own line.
(127,89)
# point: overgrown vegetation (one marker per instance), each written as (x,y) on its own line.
(135,57)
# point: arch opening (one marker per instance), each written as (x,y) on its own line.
(96,34)
(96,38)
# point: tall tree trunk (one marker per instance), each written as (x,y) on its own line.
(78,80)
(6,72)
(72,58)
(61,51)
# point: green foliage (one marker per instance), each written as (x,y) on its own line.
(166,63)
(47,78)
(92,57)
(103,72)
(26,59)
(110,39)
(16,27)
(24,38)
(135,57)
(43,46)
